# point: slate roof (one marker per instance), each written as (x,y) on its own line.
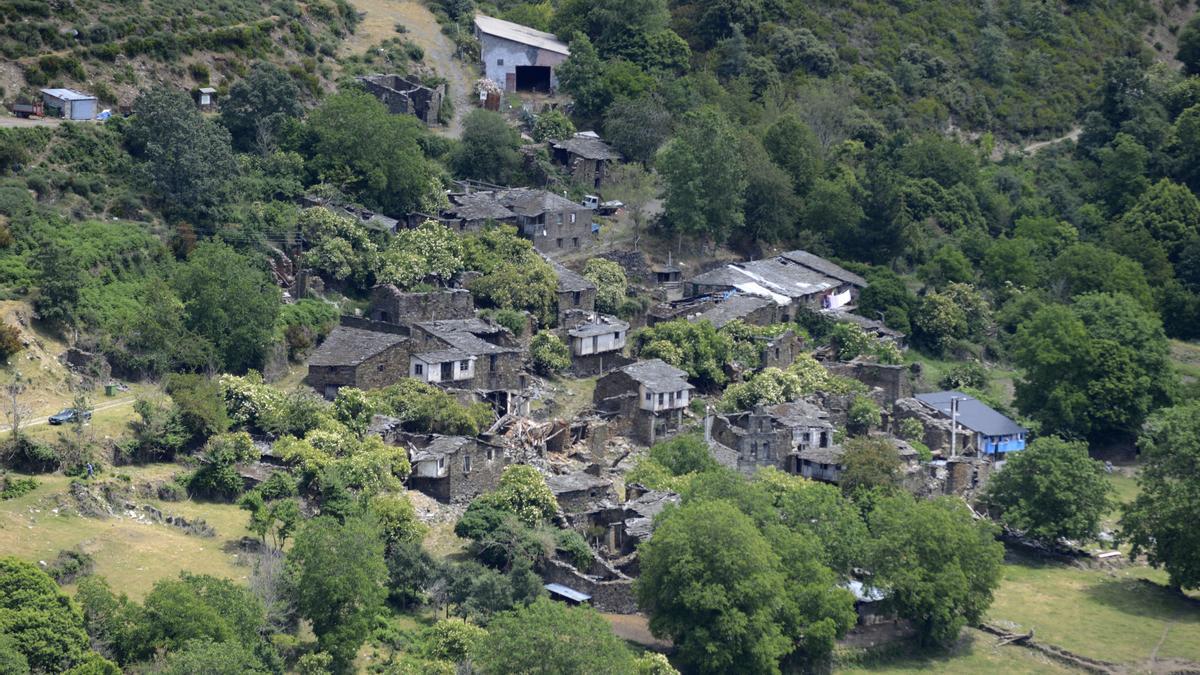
(518,33)
(463,335)
(346,346)
(736,307)
(440,446)
(601,326)
(795,274)
(799,414)
(443,355)
(569,281)
(658,375)
(575,482)
(532,202)
(479,206)
(586,145)
(830,455)
(972,413)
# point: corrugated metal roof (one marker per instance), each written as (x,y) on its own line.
(568,593)
(518,33)
(972,413)
(69,94)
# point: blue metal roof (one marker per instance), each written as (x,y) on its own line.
(972,413)
(568,593)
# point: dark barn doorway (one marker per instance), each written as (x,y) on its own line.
(533,78)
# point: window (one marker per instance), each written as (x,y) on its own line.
(595,343)
(648,396)
(418,369)
(466,462)
(492,362)
(660,399)
(463,366)
(575,242)
(671,397)
(491,454)
(499,62)
(572,218)
(379,368)
(767,449)
(574,296)
(754,451)
(560,219)
(441,463)
(558,243)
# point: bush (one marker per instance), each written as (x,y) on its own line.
(10,340)
(69,565)
(11,488)
(548,353)
(969,375)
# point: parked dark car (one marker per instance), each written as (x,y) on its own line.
(68,415)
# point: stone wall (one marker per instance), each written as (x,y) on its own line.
(894,380)
(390,305)
(613,595)
(573,301)
(591,365)
(781,351)
(405,97)
(761,445)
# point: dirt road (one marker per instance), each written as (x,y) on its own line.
(12,122)
(1034,148)
(44,418)
(380,24)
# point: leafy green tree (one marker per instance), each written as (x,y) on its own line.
(711,582)
(793,146)
(218,477)
(1168,212)
(339,577)
(201,405)
(870,463)
(612,24)
(937,566)
(229,300)
(582,76)
(770,202)
(637,128)
(1160,521)
(610,281)
(1122,172)
(548,353)
(365,151)
(552,125)
(938,321)
(197,607)
(257,106)
(206,656)
(683,454)
(767,387)
(863,415)
(488,151)
(62,276)
(1051,490)
(698,348)
(1093,369)
(948,265)
(705,177)
(12,659)
(45,625)
(821,511)
(551,638)
(1010,262)
(1189,47)
(187,161)
(1087,268)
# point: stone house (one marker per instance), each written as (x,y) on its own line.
(825,464)
(990,432)
(454,469)
(576,294)
(586,157)
(405,97)
(367,355)
(553,222)
(793,280)
(475,357)
(774,435)
(519,58)
(644,400)
(391,305)
(597,345)
(472,211)
(580,492)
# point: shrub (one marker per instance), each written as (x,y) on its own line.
(11,488)
(548,353)
(69,565)
(970,375)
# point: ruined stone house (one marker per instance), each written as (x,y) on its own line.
(405,96)
(586,157)
(644,400)
(477,358)
(574,293)
(391,305)
(454,469)
(773,435)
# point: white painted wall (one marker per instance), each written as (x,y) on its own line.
(493,50)
(583,346)
(680,401)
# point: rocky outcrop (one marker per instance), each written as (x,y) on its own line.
(114,500)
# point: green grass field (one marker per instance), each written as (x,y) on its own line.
(976,652)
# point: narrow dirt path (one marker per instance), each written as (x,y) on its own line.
(380,22)
(1034,148)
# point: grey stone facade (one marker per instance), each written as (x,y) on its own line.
(358,357)
(391,305)
(586,157)
(774,436)
(454,469)
(405,97)
(577,492)
(644,400)
(894,380)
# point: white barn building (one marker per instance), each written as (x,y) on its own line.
(519,58)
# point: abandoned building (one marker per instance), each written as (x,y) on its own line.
(578,492)
(774,435)
(586,157)
(404,96)
(391,305)
(576,295)
(552,222)
(366,355)
(206,99)
(977,425)
(645,399)
(668,278)
(454,469)
(519,58)
(471,356)
(792,280)
(472,211)
(597,345)
(825,463)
